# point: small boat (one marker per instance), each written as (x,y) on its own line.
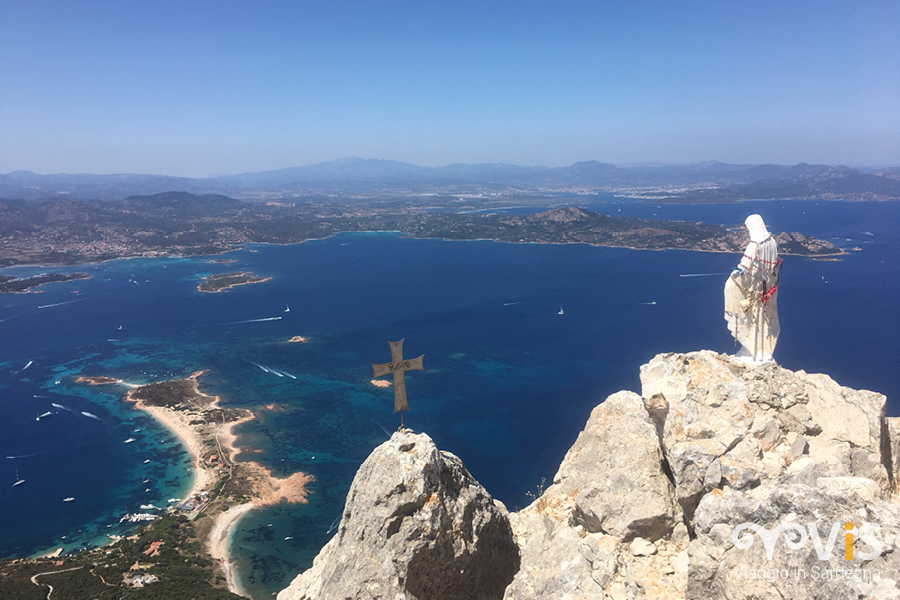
(136,430)
(89,415)
(69,499)
(58,381)
(44,416)
(18,481)
(560,311)
(146,461)
(145,481)
(30,362)
(129,440)
(290,537)
(287,308)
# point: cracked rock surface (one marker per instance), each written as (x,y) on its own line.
(416,525)
(720,480)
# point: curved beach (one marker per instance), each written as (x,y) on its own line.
(219,538)
(223,488)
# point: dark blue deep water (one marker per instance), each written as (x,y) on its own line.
(508,384)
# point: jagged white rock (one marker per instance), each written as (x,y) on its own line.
(646,502)
(416,525)
(614,473)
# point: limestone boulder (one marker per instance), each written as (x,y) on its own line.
(562,561)
(615,474)
(707,415)
(604,528)
(722,480)
(725,424)
(416,526)
(788,541)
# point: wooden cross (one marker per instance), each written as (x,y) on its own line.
(398,366)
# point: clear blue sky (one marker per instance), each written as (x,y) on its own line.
(199,88)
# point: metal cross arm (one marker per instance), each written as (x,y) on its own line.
(398,367)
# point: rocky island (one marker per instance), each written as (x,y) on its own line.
(12,285)
(674,493)
(225,281)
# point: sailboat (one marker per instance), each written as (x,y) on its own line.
(560,311)
(18,481)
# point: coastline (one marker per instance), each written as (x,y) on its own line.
(219,540)
(207,431)
(250,245)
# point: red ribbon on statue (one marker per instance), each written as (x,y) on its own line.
(769,294)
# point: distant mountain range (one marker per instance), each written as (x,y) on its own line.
(704,182)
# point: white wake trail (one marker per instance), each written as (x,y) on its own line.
(255,320)
(61,303)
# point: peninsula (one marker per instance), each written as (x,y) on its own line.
(183,224)
(184,552)
(223,488)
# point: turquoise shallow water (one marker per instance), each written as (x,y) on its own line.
(508,382)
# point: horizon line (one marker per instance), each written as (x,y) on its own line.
(628,165)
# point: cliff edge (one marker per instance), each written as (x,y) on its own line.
(720,480)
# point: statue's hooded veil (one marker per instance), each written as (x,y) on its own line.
(757,228)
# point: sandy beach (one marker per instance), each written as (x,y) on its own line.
(197,419)
(219,538)
(179,423)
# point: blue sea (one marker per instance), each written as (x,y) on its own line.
(509,382)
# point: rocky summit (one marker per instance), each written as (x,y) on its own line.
(721,480)
(417,525)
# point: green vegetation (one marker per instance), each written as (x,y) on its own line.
(182,224)
(15,284)
(108,573)
(170,394)
(223,281)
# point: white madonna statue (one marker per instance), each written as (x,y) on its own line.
(751,295)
